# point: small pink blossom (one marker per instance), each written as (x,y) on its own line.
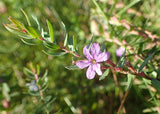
(120,51)
(94,58)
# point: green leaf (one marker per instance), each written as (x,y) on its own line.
(39,25)
(11,28)
(130,81)
(39,81)
(40,109)
(45,82)
(145,62)
(103,47)
(5,91)
(74,43)
(70,43)
(72,67)
(15,30)
(25,36)
(28,42)
(66,35)
(45,74)
(28,72)
(68,102)
(151,110)
(158,73)
(50,31)
(156,84)
(33,93)
(44,87)
(49,103)
(32,32)
(54,54)
(17,23)
(90,43)
(123,10)
(140,48)
(47,98)
(104,74)
(38,69)
(28,21)
(51,45)
(150,91)
(100,10)
(58,112)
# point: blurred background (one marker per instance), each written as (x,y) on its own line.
(80,17)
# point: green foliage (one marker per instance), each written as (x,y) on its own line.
(128,6)
(27,18)
(130,79)
(50,28)
(38,88)
(90,42)
(28,72)
(51,46)
(156,84)
(104,75)
(66,34)
(54,54)
(32,32)
(73,67)
(69,91)
(145,62)
(158,73)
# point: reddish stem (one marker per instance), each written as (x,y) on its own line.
(71,52)
(39,87)
(111,63)
(129,66)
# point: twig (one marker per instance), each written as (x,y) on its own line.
(71,52)
(133,71)
(117,84)
(115,78)
(39,87)
(122,103)
(40,91)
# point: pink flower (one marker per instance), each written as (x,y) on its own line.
(94,58)
(120,51)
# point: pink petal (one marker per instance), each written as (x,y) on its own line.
(103,57)
(83,63)
(90,72)
(87,53)
(95,49)
(97,68)
(120,51)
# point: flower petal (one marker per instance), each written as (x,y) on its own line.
(90,72)
(103,57)
(97,68)
(95,49)
(83,63)
(120,51)
(87,53)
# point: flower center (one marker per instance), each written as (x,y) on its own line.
(93,61)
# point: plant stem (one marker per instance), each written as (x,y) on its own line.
(40,91)
(100,10)
(122,103)
(71,52)
(39,87)
(133,71)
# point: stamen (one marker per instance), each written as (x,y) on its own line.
(93,61)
